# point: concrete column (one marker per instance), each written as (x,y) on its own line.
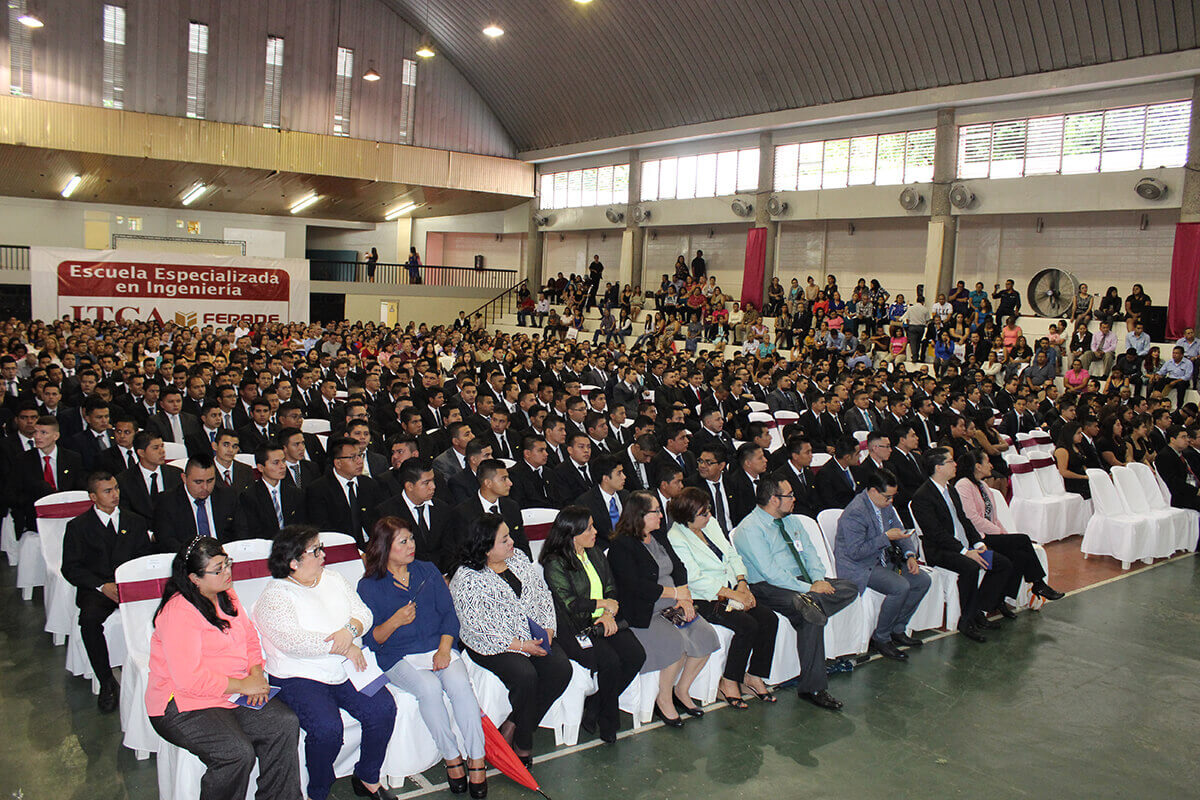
(633,238)
(1189,210)
(939,248)
(533,249)
(766,185)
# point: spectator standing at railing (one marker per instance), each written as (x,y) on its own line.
(595,273)
(414,266)
(372,260)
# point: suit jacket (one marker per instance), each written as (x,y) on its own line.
(175,518)
(814,428)
(243,478)
(462,486)
(471,509)
(511,450)
(250,438)
(135,495)
(529,490)
(87,445)
(1158,439)
(29,485)
(629,396)
(328,508)
(807,501)
(741,494)
(860,541)
(635,573)
(910,476)
(446,465)
(927,431)
(1173,469)
(780,400)
(932,516)
(704,439)
(633,481)
(832,429)
(112,460)
(566,483)
(699,482)
(855,419)
(257,519)
(1011,425)
(192,429)
(689,461)
(833,488)
(92,553)
(593,501)
(309,473)
(439,541)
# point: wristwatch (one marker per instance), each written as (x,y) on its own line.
(353,631)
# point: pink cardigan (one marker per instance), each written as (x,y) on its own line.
(192,661)
(972,502)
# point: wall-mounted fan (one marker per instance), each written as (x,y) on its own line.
(911,199)
(776,207)
(541,220)
(741,207)
(641,214)
(1052,291)
(614,216)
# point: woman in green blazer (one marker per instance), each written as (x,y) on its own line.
(591,629)
(717,578)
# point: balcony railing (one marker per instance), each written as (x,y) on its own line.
(398,275)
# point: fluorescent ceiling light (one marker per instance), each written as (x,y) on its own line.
(398,210)
(305,202)
(583,2)
(29,20)
(193,193)
(426,50)
(371,75)
(71,185)
(493,31)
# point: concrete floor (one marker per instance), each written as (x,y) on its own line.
(1096,696)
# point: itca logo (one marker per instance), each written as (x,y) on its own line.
(184,320)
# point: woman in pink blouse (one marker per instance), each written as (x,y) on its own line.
(205,650)
(1076,378)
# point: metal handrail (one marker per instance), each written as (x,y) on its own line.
(398,274)
(14,256)
(499,305)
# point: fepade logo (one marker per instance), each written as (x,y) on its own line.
(184,319)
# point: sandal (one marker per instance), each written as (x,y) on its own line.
(457,785)
(767,696)
(734,701)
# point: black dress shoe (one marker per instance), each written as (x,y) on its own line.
(691,711)
(110,692)
(382,793)
(1006,611)
(589,724)
(1042,590)
(527,761)
(457,785)
(904,640)
(677,722)
(822,699)
(983,623)
(972,633)
(889,650)
(478,790)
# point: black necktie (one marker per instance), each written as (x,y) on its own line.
(355,517)
(719,505)
(153,485)
(583,471)
(130,459)
(112,529)
(422,526)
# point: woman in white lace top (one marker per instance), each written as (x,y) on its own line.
(309,618)
(506,618)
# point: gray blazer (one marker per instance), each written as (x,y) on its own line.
(860,541)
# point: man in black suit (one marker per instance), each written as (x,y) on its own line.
(492,498)
(837,482)
(231,473)
(143,486)
(572,477)
(743,480)
(121,455)
(326,405)
(46,469)
(711,477)
(675,449)
(950,540)
(636,459)
(199,507)
(301,471)
(498,435)
(1179,476)
(555,430)
(270,503)
(797,472)
(905,464)
(712,429)
(259,430)
(606,497)
(70,419)
(434,524)
(784,398)
(95,544)
(464,484)
(860,416)
(925,426)
(832,429)
(1019,419)
(173,425)
(627,391)
(96,437)
(530,476)
(344,499)
(1161,418)
(291,415)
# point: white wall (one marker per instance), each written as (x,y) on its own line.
(382,237)
(1101,249)
(892,250)
(724,249)
(499,250)
(573,251)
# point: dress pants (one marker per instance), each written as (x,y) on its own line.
(1017,548)
(753,645)
(431,688)
(902,592)
(975,596)
(810,639)
(616,660)
(317,706)
(94,609)
(533,682)
(230,740)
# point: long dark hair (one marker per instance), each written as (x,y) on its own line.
(560,542)
(192,560)
(631,523)
(481,537)
(375,557)
(965,468)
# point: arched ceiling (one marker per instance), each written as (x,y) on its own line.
(566,72)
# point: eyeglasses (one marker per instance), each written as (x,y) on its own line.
(655,511)
(786,496)
(226,567)
(708,462)
(355,457)
(319,550)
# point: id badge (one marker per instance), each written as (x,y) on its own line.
(584,640)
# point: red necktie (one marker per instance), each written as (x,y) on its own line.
(48,474)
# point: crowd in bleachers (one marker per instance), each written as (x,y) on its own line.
(683,488)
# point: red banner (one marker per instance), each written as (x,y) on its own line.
(1185,275)
(756,262)
(133,279)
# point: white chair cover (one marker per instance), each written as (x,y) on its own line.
(1041,517)
(1112,531)
(58,595)
(1158,497)
(943,584)
(139,583)
(757,405)
(1171,530)
(1076,510)
(845,632)
(8,540)
(1025,596)
(247,459)
(315,426)
(175,450)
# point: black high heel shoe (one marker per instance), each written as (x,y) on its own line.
(457,785)
(677,722)
(691,711)
(478,790)
(360,789)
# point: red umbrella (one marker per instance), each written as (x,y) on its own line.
(501,756)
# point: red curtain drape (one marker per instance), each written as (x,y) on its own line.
(1185,276)
(756,260)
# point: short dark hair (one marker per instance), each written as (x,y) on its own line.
(480,538)
(878,479)
(412,470)
(289,545)
(936,457)
(488,469)
(336,445)
(688,504)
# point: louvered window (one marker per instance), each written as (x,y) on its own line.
(20,52)
(408,80)
(197,74)
(113,92)
(598,186)
(273,88)
(1112,140)
(879,159)
(341,92)
(704,175)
